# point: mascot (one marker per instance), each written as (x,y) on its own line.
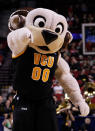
(35,40)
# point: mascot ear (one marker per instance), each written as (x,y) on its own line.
(17,19)
(67,40)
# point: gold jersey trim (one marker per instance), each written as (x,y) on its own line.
(18,54)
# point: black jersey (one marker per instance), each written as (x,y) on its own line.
(34,73)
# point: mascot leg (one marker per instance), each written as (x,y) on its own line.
(36,116)
(46,116)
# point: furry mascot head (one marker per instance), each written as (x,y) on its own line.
(46,32)
(49,30)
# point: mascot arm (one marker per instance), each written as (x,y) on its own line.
(70,86)
(18,40)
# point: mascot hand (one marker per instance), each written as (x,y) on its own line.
(84,108)
(19,39)
(24,35)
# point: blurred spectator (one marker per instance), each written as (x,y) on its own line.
(70,8)
(76,24)
(74,64)
(75,111)
(8,123)
(57,102)
(1,105)
(10,96)
(86,125)
(68,120)
(77,9)
(1,60)
(83,76)
(73,50)
(89,46)
(84,8)
(84,18)
(7,104)
(75,73)
(58,90)
(90,18)
(70,20)
(79,47)
(68,126)
(1,99)
(92,72)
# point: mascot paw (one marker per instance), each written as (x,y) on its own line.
(24,35)
(84,108)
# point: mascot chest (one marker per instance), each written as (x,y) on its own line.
(36,65)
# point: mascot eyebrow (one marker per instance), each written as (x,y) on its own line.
(39,16)
(57,30)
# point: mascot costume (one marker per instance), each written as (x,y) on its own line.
(35,40)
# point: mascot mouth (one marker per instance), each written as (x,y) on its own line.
(44,48)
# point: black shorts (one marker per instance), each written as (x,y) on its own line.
(35,116)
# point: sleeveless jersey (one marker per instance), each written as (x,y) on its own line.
(34,73)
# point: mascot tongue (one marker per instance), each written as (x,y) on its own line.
(44,48)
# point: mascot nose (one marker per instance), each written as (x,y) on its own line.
(49,36)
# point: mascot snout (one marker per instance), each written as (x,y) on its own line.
(49,36)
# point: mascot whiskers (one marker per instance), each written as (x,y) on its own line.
(35,40)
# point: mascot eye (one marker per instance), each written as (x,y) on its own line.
(59,28)
(39,21)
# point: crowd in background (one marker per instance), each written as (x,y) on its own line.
(78,14)
(6,109)
(82,68)
(3,50)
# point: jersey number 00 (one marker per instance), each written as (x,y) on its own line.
(42,60)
